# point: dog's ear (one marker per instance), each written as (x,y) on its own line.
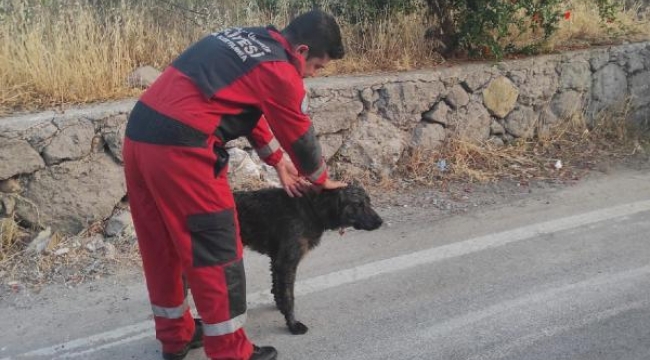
(355,183)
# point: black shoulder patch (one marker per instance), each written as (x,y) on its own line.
(219,59)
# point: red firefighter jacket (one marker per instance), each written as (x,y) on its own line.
(238,82)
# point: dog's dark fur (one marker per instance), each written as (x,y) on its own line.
(286,228)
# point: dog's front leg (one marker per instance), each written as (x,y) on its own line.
(286,278)
(275,289)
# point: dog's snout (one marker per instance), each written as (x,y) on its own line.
(375,220)
(378,222)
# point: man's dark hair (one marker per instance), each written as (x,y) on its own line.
(319,31)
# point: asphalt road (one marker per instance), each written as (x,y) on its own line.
(557,275)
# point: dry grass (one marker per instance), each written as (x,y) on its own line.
(67,54)
(10,236)
(390,44)
(631,24)
(579,147)
(71,52)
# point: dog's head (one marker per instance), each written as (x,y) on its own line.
(350,207)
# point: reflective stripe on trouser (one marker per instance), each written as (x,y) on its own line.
(186,224)
(170,312)
(226,327)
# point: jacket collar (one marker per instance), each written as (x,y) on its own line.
(295,59)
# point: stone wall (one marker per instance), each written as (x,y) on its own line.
(64,169)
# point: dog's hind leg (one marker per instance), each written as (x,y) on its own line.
(285,279)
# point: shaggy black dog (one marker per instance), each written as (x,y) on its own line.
(286,228)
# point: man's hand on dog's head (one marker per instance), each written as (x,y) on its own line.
(330,184)
(296,185)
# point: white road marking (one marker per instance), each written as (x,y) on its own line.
(587,288)
(143,329)
(553,309)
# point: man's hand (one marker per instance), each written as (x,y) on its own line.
(330,184)
(292,182)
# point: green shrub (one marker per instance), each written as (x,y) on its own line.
(494,28)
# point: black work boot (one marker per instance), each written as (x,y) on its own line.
(264,353)
(196,342)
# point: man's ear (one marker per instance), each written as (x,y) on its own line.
(303,50)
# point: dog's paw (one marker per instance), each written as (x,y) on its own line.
(298,328)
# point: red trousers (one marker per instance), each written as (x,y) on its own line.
(185,220)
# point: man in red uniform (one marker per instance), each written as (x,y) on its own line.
(238,82)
